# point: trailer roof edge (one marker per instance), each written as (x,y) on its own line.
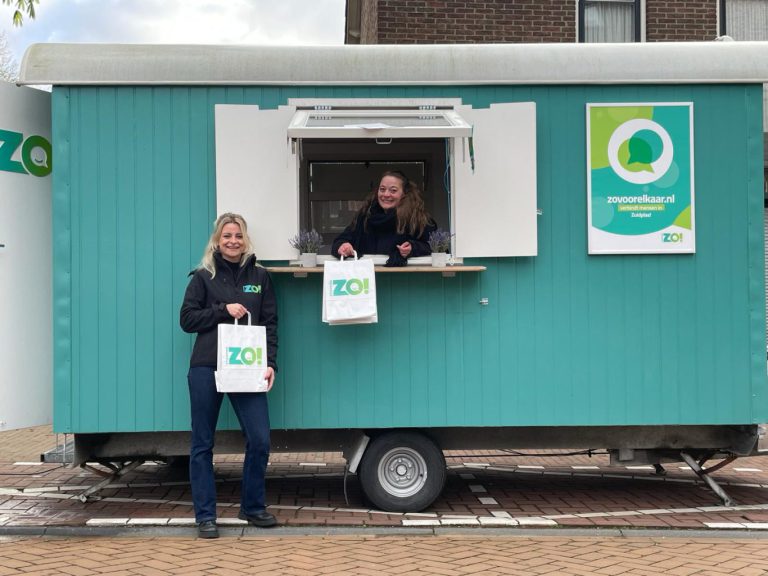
(454,64)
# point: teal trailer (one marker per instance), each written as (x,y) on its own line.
(550,328)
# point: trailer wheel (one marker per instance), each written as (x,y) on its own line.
(402,472)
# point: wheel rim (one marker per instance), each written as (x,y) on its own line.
(402,472)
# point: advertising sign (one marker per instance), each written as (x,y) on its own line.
(26,347)
(640,178)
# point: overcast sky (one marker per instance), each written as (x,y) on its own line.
(179,22)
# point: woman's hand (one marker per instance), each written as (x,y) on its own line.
(346,250)
(269,376)
(404,249)
(237,310)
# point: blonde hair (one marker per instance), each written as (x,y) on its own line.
(207,262)
(412,215)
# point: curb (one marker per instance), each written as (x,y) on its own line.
(241,532)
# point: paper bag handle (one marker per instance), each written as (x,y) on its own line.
(353,252)
(249,318)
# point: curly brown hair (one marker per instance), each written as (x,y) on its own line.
(412,216)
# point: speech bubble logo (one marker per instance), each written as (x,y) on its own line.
(39,157)
(640,153)
(645,140)
(36,155)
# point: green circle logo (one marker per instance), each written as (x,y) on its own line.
(640,151)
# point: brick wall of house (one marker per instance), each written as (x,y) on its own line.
(491,21)
(680,20)
(467,22)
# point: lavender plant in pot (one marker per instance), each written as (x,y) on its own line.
(440,243)
(307,242)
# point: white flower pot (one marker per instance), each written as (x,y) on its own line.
(439,259)
(308,260)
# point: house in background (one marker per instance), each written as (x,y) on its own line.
(529,21)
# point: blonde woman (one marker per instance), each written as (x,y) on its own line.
(393,221)
(227,284)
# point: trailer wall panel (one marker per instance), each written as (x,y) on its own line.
(566,339)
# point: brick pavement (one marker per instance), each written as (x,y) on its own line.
(26,444)
(307,489)
(381,554)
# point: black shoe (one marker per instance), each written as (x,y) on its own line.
(262,519)
(207,529)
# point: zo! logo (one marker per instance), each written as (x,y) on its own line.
(349,287)
(252,288)
(248,356)
(35,154)
(675,237)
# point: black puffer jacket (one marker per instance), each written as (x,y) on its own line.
(205,300)
(376,233)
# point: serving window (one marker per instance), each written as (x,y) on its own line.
(294,167)
(335,176)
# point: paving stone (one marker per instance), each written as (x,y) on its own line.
(147,521)
(107,522)
(514,486)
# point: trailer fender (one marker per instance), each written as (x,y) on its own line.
(353,452)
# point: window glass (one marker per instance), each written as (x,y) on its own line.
(609,20)
(337,189)
(746,19)
(330,217)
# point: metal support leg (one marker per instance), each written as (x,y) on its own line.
(353,453)
(118,470)
(704,475)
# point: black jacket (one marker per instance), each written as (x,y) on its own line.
(376,233)
(205,300)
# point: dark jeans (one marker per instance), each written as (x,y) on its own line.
(252,412)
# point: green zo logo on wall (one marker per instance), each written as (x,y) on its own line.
(35,154)
(672,237)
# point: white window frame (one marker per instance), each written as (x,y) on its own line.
(494,212)
(353,128)
(257,176)
(493,197)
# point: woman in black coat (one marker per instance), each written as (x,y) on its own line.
(392,221)
(228,284)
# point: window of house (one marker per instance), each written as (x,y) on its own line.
(298,167)
(609,21)
(744,19)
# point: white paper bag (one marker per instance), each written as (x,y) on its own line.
(349,292)
(242,358)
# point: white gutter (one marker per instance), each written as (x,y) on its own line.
(452,64)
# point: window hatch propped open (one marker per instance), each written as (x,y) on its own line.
(492,211)
(372,123)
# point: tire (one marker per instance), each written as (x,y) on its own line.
(402,472)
